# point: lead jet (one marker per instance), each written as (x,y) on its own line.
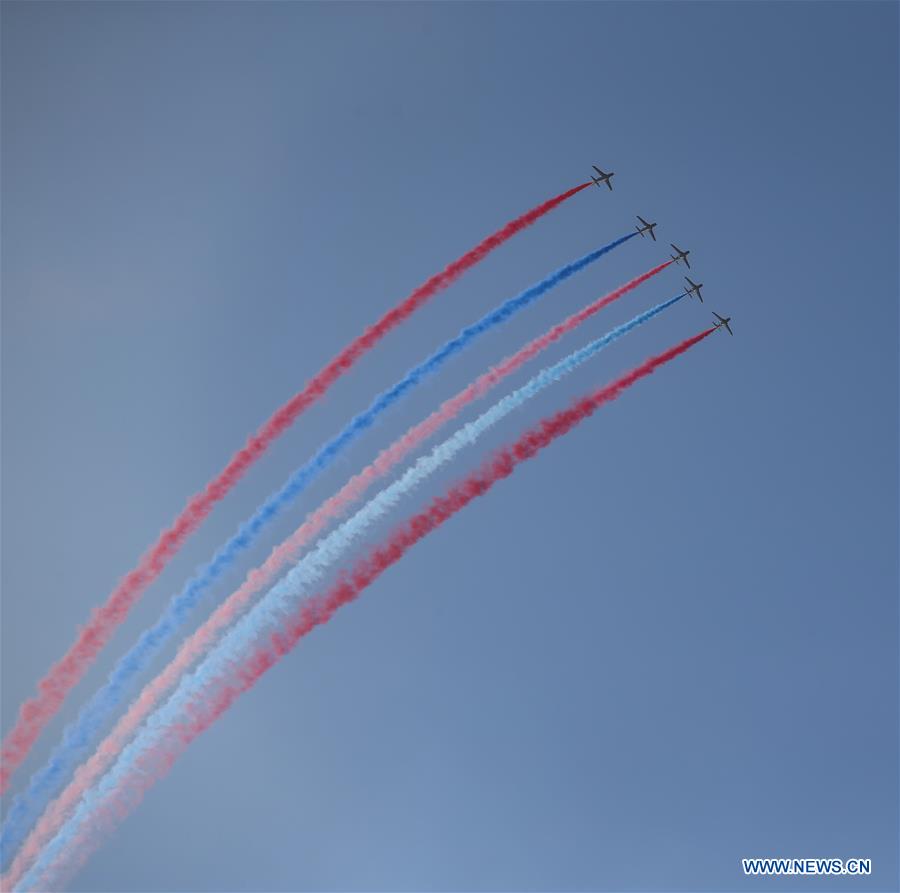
(680,255)
(694,288)
(646,228)
(602,178)
(723,321)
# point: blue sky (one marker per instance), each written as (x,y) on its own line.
(669,642)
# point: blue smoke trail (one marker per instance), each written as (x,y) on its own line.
(226,656)
(90,719)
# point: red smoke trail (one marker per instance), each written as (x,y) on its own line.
(204,710)
(35,713)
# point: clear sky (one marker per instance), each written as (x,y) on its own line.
(669,642)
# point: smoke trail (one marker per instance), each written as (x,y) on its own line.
(90,719)
(223,616)
(151,754)
(311,569)
(36,712)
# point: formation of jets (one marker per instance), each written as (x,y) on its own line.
(692,289)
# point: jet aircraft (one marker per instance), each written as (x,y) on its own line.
(694,288)
(680,255)
(602,178)
(646,228)
(723,321)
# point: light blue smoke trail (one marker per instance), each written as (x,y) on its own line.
(233,647)
(89,722)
